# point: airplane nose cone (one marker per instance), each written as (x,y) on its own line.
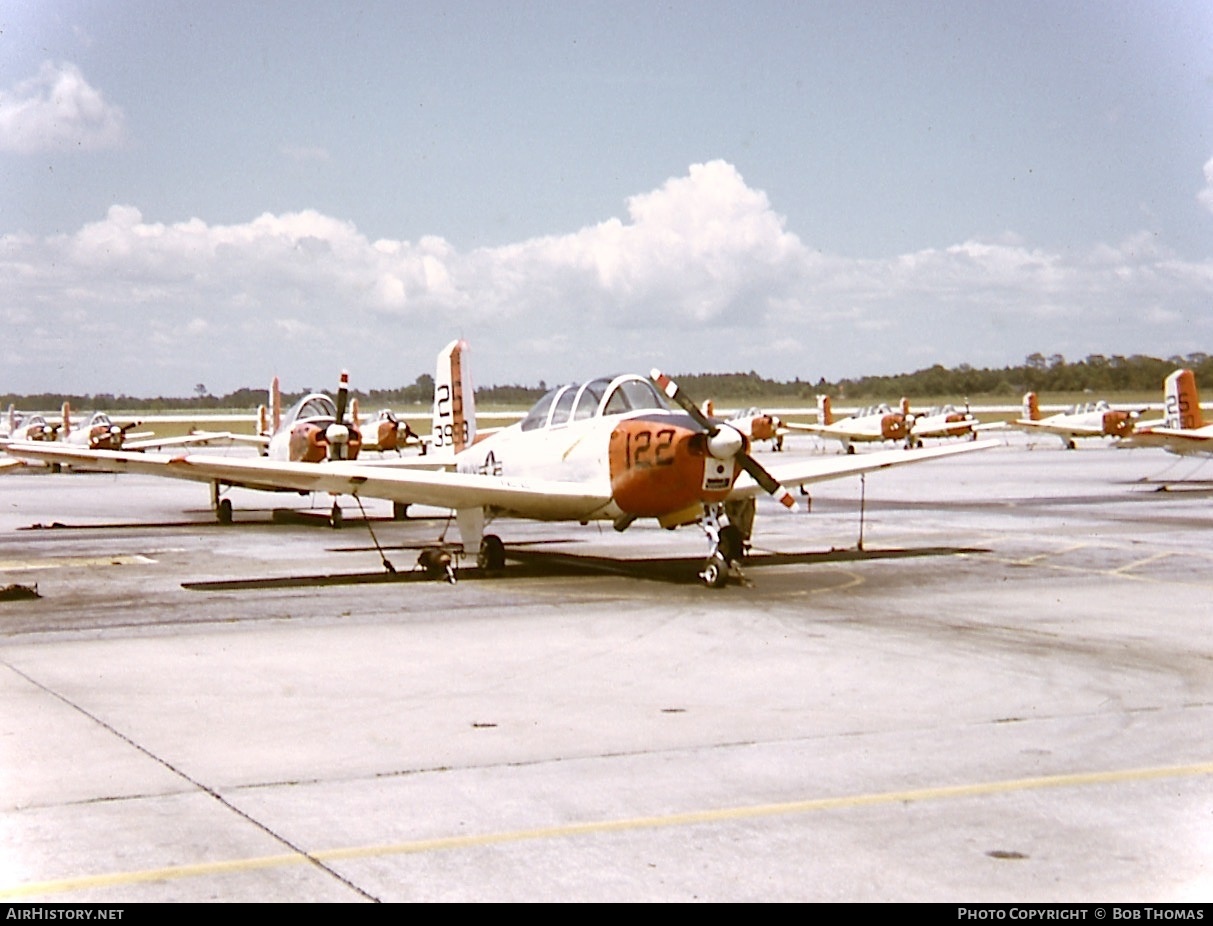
(725,443)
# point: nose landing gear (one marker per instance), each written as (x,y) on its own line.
(727,549)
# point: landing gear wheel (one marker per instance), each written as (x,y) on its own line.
(336,518)
(491,557)
(715,572)
(850,448)
(400,511)
(223,511)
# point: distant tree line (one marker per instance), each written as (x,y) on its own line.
(1096,373)
(1038,373)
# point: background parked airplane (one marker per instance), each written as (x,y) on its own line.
(877,423)
(943,421)
(1096,419)
(1183,429)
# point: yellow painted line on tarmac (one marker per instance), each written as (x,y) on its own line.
(564,831)
(1121,570)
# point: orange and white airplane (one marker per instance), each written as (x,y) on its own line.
(1183,429)
(20,427)
(874,424)
(610,449)
(98,433)
(1095,419)
(755,424)
(945,421)
(385,432)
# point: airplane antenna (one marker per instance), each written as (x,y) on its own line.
(387,564)
(863,487)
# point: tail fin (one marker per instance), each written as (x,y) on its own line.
(1181,401)
(355,416)
(905,406)
(12,418)
(825,414)
(1031,408)
(275,406)
(66,427)
(454,423)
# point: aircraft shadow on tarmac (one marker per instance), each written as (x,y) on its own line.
(523,564)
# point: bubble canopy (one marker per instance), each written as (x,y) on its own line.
(603,396)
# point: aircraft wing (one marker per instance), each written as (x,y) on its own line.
(823,469)
(197,439)
(537,499)
(1177,440)
(1061,430)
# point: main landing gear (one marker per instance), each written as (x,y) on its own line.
(491,556)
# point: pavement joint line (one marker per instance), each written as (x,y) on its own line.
(302,855)
(567,830)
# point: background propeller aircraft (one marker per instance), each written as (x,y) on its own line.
(1183,430)
(877,423)
(385,432)
(1095,419)
(758,425)
(99,433)
(607,449)
(26,428)
(945,421)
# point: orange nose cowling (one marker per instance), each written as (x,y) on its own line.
(386,436)
(763,428)
(309,444)
(893,426)
(659,467)
(1117,424)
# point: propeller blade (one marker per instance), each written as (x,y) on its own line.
(766,480)
(343,396)
(755,469)
(674,392)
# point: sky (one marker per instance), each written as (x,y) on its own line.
(215,193)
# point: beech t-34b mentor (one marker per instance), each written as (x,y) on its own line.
(1095,419)
(1184,429)
(878,423)
(607,449)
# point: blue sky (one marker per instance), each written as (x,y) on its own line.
(219,192)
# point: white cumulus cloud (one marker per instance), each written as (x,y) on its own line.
(700,273)
(57,110)
(1206,195)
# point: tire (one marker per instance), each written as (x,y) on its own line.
(491,557)
(223,511)
(715,572)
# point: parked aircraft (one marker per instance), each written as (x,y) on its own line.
(1095,419)
(27,428)
(758,425)
(877,423)
(607,449)
(1183,429)
(944,421)
(385,432)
